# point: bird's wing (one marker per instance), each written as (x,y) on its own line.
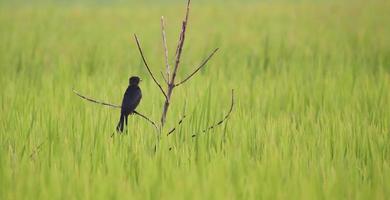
(132,98)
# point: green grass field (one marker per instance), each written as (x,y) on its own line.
(311,118)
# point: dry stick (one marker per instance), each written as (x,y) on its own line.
(164,41)
(179,50)
(95,101)
(147,67)
(143,116)
(181,120)
(114,106)
(225,118)
(178,124)
(200,67)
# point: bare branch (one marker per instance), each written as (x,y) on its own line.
(200,67)
(113,106)
(149,120)
(96,101)
(178,124)
(181,120)
(224,119)
(164,40)
(180,44)
(179,50)
(147,67)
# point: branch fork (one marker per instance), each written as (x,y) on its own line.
(171,76)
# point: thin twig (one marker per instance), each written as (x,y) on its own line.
(178,124)
(113,106)
(221,121)
(200,67)
(164,40)
(147,67)
(96,101)
(181,120)
(143,116)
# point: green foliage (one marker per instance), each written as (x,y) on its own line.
(311,119)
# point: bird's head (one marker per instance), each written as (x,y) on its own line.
(134,80)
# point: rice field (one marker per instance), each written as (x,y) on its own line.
(311,118)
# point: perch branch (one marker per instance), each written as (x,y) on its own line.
(113,106)
(147,67)
(224,119)
(164,41)
(149,120)
(96,101)
(200,67)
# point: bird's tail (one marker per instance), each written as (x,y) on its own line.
(119,127)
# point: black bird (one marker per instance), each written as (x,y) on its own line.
(130,101)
